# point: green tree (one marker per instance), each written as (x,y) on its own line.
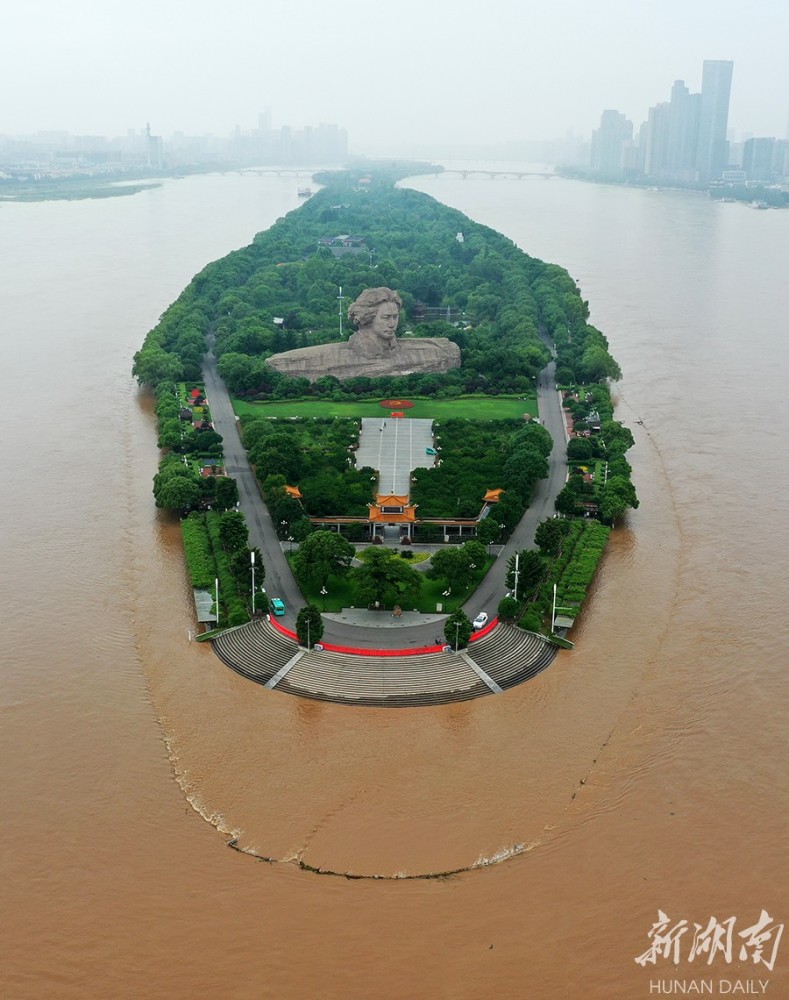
(508,609)
(453,566)
(226,493)
(549,534)
(385,579)
(618,438)
(616,497)
(241,567)
(170,433)
(531,571)
(579,449)
(567,502)
(233,531)
(522,470)
(323,554)
(488,528)
(534,436)
(309,626)
(509,509)
(178,493)
(153,365)
(475,553)
(457,629)
(597,364)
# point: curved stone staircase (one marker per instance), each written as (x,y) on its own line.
(255,650)
(429,679)
(511,656)
(507,655)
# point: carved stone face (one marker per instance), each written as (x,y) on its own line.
(384,324)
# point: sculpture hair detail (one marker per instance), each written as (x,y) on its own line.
(362,312)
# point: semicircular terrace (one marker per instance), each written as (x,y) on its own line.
(501,658)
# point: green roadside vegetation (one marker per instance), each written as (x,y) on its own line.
(567,556)
(457,279)
(216,549)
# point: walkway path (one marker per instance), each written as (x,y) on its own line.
(394,447)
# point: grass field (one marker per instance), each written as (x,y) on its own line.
(472,407)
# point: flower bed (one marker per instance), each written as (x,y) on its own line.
(396,404)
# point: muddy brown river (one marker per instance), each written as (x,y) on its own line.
(644,771)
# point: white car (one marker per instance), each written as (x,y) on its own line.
(480,621)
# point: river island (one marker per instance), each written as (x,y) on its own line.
(418,415)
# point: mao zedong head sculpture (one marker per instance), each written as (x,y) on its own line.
(374,349)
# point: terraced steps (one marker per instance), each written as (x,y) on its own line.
(507,655)
(255,650)
(430,679)
(510,656)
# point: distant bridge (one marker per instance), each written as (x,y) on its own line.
(493,174)
(279,171)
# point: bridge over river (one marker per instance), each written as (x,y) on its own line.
(493,174)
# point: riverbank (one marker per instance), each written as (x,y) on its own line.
(757,194)
(80,187)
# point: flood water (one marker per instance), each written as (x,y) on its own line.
(643,771)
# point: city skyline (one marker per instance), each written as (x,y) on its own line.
(686,140)
(451,73)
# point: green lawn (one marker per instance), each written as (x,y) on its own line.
(472,407)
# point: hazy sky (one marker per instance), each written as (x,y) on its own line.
(406,71)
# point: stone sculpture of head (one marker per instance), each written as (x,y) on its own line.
(376,313)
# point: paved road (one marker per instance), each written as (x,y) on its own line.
(279,580)
(493,587)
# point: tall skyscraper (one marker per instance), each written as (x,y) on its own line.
(713,118)
(609,143)
(656,141)
(683,132)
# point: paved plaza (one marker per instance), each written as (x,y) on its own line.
(394,446)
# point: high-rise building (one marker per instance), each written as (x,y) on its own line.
(683,132)
(610,142)
(759,159)
(656,141)
(711,148)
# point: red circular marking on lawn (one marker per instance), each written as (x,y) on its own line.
(396,404)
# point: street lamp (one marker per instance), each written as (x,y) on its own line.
(252,559)
(324,592)
(290,546)
(457,635)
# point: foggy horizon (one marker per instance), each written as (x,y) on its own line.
(452,74)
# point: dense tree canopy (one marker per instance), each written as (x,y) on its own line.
(385,579)
(321,555)
(484,293)
(286,290)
